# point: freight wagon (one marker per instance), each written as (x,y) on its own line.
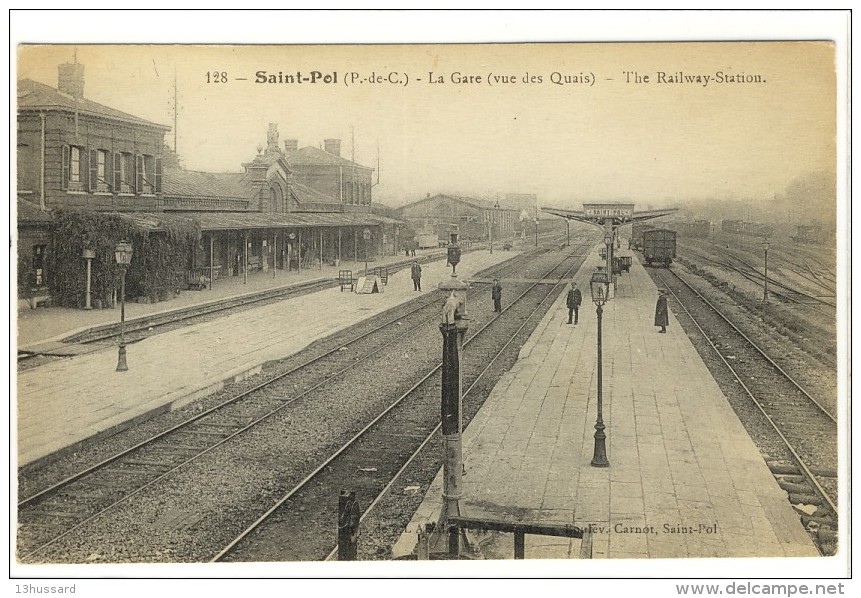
(699,229)
(753,229)
(659,246)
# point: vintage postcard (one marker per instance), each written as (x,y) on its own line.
(562,307)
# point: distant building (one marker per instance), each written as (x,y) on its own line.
(473,217)
(523,202)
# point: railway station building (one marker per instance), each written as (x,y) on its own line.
(473,217)
(287,208)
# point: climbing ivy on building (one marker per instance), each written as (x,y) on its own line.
(160,257)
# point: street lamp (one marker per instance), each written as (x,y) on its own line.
(765,283)
(600,287)
(536,230)
(123,255)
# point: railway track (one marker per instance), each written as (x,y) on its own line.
(789,293)
(367,463)
(795,432)
(62,509)
(778,288)
(105,336)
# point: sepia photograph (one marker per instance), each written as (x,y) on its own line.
(298,308)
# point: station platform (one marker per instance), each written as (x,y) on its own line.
(36,327)
(685,480)
(62,403)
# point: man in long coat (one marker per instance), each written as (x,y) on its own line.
(661,316)
(496,295)
(416,275)
(574,299)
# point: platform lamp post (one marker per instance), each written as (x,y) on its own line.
(367,237)
(89,255)
(536,230)
(600,287)
(765,280)
(123,255)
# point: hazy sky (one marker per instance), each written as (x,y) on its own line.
(657,142)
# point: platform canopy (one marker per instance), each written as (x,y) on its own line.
(604,214)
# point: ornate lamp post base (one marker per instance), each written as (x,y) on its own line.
(122,366)
(599,454)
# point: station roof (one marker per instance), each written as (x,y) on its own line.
(475,202)
(230,185)
(192,183)
(312,156)
(215,221)
(38,96)
(616,213)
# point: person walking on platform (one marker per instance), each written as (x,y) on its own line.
(496,294)
(575,298)
(416,275)
(661,316)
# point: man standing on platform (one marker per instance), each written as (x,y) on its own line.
(574,300)
(496,294)
(416,274)
(661,317)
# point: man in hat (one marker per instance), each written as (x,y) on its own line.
(496,295)
(661,317)
(416,275)
(573,301)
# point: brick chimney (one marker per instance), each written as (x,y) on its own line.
(291,145)
(332,146)
(71,79)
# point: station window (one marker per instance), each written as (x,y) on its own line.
(73,167)
(146,174)
(99,168)
(124,168)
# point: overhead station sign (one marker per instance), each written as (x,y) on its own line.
(613,210)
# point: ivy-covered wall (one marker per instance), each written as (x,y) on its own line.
(158,261)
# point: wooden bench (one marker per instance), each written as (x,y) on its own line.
(197,280)
(345,279)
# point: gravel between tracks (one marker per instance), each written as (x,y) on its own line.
(179,520)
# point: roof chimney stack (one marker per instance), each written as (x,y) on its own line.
(332,146)
(291,145)
(71,80)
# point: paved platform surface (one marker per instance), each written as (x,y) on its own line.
(62,403)
(685,479)
(39,326)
